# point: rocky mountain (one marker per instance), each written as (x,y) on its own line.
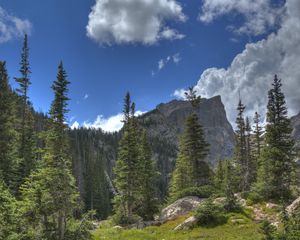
(295,121)
(296,127)
(167,122)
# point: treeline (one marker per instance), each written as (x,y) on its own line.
(93,154)
(38,195)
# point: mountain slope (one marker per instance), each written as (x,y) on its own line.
(168,122)
(94,149)
(296,127)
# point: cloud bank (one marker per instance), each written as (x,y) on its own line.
(252,71)
(110,124)
(134,21)
(258,15)
(12,26)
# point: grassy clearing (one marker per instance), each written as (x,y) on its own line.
(238,227)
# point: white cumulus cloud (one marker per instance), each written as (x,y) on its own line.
(12,26)
(86,96)
(110,124)
(252,71)
(134,21)
(258,15)
(75,125)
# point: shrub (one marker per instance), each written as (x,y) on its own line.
(121,219)
(268,230)
(80,229)
(292,226)
(231,205)
(254,197)
(202,192)
(211,214)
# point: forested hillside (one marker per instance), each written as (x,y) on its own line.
(95,152)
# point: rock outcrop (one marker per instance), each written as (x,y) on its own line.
(168,121)
(294,205)
(179,208)
(295,121)
(187,224)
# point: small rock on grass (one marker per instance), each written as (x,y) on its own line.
(187,224)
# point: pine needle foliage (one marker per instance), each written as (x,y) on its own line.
(275,174)
(50,196)
(7,131)
(191,168)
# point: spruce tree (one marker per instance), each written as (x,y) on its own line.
(26,140)
(50,196)
(127,166)
(258,132)
(25,71)
(191,168)
(7,132)
(9,218)
(250,160)
(219,177)
(229,182)
(277,155)
(148,203)
(240,148)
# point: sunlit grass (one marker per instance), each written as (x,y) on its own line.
(238,227)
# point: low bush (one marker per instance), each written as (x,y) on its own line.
(121,219)
(253,197)
(202,192)
(80,229)
(268,230)
(210,214)
(232,205)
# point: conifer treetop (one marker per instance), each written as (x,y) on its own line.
(192,97)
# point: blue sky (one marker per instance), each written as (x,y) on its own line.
(106,63)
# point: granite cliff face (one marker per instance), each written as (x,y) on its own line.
(296,127)
(167,122)
(295,121)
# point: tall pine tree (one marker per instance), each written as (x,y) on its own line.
(219,176)
(7,132)
(251,167)
(148,203)
(26,128)
(191,168)
(258,132)
(240,154)
(277,155)
(50,195)
(127,166)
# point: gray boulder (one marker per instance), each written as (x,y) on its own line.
(291,208)
(187,224)
(180,207)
